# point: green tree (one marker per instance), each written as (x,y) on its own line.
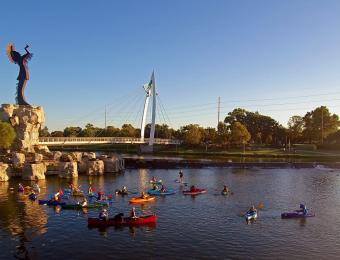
(319,124)
(259,126)
(7,135)
(192,134)
(295,128)
(128,130)
(110,131)
(223,134)
(210,135)
(57,134)
(240,134)
(44,132)
(161,131)
(90,131)
(72,131)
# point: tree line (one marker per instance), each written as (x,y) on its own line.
(239,127)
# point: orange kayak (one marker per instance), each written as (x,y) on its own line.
(140,200)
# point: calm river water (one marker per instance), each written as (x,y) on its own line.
(208,226)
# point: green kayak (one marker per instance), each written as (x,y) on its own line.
(78,206)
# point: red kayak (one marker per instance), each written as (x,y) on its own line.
(142,220)
(194,192)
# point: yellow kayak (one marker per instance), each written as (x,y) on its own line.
(140,200)
(78,194)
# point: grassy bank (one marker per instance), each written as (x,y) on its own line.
(202,152)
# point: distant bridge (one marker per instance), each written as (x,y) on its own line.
(64,141)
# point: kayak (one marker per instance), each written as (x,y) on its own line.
(102,202)
(78,206)
(78,194)
(140,200)
(119,192)
(159,193)
(142,220)
(51,202)
(225,193)
(156,182)
(250,215)
(296,215)
(92,195)
(195,192)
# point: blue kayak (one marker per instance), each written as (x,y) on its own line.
(250,215)
(51,202)
(159,193)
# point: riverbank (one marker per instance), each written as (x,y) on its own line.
(199,156)
(180,163)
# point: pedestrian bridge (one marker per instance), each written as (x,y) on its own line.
(64,141)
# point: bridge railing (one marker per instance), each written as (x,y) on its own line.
(102,140)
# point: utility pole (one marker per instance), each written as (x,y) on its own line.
(218,110)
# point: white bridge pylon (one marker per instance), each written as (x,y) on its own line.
(150,90)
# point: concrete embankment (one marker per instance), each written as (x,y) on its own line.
(158,163)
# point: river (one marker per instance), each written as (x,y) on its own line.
(208,226)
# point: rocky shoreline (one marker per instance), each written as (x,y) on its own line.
(32,161)
(36,166)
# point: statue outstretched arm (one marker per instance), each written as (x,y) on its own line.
(28,55)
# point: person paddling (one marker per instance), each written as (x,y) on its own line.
(124,190)
(144,195)
(303,209)
(84,202)
(225,189)
(133,213)
(21,188)
(252,210)
(193,188)
(163,189)
(36,187)
(181,178)
(103,215)
(90,190)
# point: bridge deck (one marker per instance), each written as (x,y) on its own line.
(64,141)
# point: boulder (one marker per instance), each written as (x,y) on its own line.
(57,155)
(43,149)
(76,156)
(34,171)
(4,172)
(18,159)
(91,156)
(27,121)
(82,165)
(68,169)
(113,164)
(66,158)
(95,167)
(38,157)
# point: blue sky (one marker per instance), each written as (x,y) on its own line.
(280,58)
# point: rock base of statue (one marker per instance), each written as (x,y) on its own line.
(27,121)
